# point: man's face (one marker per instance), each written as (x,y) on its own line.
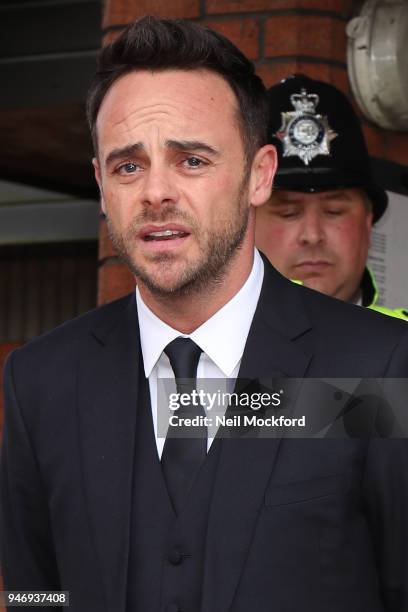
(321,239)
(171,169)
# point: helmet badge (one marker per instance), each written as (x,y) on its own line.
(304,133)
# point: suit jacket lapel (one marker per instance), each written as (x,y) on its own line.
(280,320)
(246,464)
(107,402)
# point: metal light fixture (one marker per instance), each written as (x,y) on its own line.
(377,57)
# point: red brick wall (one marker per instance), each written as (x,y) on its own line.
(114,279)
(281,37)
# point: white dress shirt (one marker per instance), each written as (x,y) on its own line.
(222,339)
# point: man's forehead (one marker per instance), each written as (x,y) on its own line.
(341,194)
(175,103)
(191,94)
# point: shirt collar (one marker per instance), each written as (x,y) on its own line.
(222,337)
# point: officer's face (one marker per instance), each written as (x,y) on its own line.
(171,169)
(321,239)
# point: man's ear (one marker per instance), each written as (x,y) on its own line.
(263,170)
(97,171)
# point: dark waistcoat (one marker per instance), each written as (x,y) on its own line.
(166,561)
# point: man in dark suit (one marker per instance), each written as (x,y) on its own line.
(94,500)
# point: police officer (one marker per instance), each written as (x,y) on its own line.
(316,227)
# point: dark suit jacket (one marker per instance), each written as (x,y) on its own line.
(310,525)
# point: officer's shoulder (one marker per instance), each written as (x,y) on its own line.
(397,313)
(402,312)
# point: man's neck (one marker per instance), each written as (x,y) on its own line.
(187,312)
(357,297)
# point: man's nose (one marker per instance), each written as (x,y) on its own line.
(311,230)
(159,187)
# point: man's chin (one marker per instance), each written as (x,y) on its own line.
(160,287)
(167,280)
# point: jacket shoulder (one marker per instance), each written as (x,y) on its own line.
(364,324)
(333,318)
(69,335)
(339,308)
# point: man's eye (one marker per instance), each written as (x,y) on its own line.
(334,212)
(288,214)
(128,168)
(193,162)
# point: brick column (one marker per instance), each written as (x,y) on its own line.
(281,37)
(114,279)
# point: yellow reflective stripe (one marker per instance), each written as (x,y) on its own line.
(397,313)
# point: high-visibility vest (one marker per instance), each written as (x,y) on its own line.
(369,293)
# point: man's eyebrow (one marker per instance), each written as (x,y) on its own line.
(191,145)
(123,152)
(177,145)
(337,194)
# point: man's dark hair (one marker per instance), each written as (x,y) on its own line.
(163,44)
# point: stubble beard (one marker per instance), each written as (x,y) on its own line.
(216,250)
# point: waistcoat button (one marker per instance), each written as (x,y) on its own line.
(175,557)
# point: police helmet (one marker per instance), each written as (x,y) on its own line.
(319,140)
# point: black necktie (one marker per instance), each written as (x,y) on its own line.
(183,454)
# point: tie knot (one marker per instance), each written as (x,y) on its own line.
(184,355)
